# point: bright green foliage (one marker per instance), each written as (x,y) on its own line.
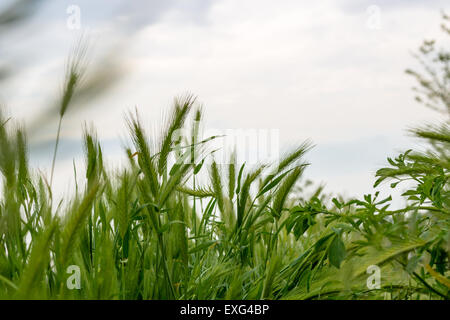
(150,231)
(147,232)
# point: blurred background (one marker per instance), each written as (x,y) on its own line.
(330,71)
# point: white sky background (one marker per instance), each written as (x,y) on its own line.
(329,71)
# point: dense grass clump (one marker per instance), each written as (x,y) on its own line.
(148,231)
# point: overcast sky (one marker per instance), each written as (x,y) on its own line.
(329,71)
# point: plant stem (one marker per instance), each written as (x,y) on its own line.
(58,133)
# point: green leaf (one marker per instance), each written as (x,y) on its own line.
(203,246)
(394,184)
(272,184)
(337,203)
(238,188)
(198,167)
(174,169)
(336,252)
(379,180)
